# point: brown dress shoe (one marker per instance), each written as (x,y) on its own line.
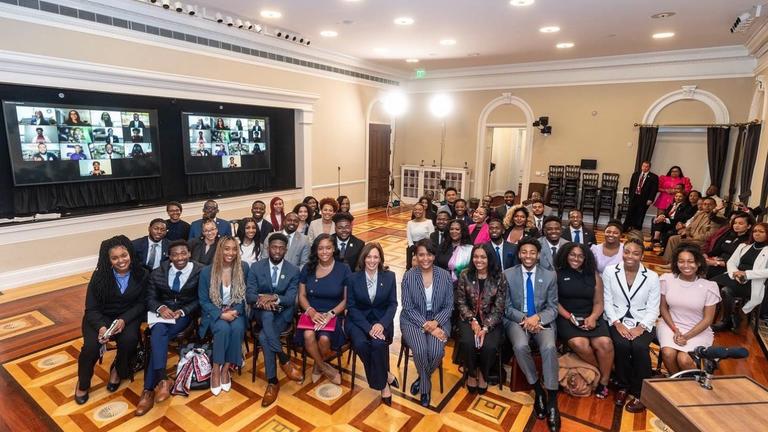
(162,390)
(146,402)
(270,395)
(291,372)
(635,406)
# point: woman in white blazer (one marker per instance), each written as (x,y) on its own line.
(746,276)
(631,297)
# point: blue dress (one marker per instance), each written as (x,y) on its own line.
(324,294)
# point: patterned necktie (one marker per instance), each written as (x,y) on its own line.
(343,249)
(152,254)
(274,276)
(176,287)
(577,236)
(529,300)
(371,288)
(501,259)
(640,184)
(538,224)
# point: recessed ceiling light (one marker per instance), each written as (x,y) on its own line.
(663,15)
(412,60)
(270,14)
(381,50)
(663,35)
(404,21)
(550,29)
(328,33)
(448,42)
(521,2)
(563,45)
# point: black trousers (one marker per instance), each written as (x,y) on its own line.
(374,353)
(632,360)
(126,340)
(635,213)
(471,357)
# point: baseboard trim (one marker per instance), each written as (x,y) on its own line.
(35,274)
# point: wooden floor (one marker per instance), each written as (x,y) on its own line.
(40,341)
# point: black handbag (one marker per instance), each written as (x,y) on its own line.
(206,348)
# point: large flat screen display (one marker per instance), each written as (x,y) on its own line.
(225,142)
(52,143)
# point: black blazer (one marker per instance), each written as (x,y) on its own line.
(197,246)
(587,236)
(266,228)
(434,237)
(141,247)
(508,252)
(363,313)
(650,187)
(685,212)
(128,306)
(354,247)
(177,231)
(501,211)
(159,293)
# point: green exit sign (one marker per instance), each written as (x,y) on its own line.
(421,73)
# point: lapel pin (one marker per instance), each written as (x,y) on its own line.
(282,276)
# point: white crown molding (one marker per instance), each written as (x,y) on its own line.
(688,92)
(705,63)
(165,19)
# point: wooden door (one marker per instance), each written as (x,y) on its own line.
(378,164)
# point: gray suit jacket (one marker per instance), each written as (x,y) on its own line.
(297,253)
(544,290)
(546,259)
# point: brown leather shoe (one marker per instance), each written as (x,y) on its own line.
(270,395)
(291,372)
(146,402)
(635,406)
(162,390)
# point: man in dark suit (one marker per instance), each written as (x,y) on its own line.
(530,311)
(297,252)
(506,252)
(441,228)
(152,249)
(258,208)
(210,210)
(171,294)
(642,190)
(575,231)
(272,287)
(509,201)
(136,123)
(348,247)
(551,242)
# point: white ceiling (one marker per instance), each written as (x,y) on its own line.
(497,31)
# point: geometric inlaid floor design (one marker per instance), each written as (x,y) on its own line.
(47,378)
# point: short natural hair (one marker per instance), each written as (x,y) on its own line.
(698,256)
(328,201)
(528,241)
(174,204)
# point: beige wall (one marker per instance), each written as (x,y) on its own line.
(608,136)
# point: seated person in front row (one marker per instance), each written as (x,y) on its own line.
(297,252)
(551,242)
(115,295)
(531,309)
(152,249)
(221,292)
(172,294)
(272,290)
(210,210)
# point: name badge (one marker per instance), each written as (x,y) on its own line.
(566,279)
(629,323)
(728,241)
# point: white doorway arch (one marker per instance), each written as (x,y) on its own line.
(689,92)
(481,164)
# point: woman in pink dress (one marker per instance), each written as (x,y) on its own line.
(687,308)
(667,185)
(478,231)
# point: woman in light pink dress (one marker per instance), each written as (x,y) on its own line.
(667,185)
(687,308)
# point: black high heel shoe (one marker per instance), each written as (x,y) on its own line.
(482,390)
(81,400)
(112,387)
(394,383)
(387,400)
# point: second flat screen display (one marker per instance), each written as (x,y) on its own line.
(225,143)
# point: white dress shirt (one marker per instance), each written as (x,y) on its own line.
(525,281)
(158,252)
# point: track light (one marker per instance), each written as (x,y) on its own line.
(166,4)
(543,125)
(219,18)
(191,10)
(258,28)
(153,1)
(239,23)
(230,22)
(249,25)
(178,6)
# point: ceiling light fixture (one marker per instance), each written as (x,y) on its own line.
(521,2)
(448,42)
(412,60)
(549,29)
(564,45)
(663,35)
(329,33)
(663,15)
(271,14)
(404,21)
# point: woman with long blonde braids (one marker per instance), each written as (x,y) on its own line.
(222,300)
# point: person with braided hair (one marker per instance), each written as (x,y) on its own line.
(115,299)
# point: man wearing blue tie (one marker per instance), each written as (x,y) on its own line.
(575,231)
(531,308)
(172,295)
(271,290)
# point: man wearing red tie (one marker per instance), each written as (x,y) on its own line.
(642,190)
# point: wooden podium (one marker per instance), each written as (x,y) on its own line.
(736,403)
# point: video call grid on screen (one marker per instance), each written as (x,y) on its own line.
(225,142)
(49,143)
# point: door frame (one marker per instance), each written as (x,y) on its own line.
(489,127)
(392,125)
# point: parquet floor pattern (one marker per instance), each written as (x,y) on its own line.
(39,345)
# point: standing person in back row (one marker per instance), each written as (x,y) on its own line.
(642,190)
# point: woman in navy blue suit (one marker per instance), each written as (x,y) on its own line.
(222,299)
(425,321)
(371,306)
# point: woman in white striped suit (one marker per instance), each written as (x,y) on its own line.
(425,322)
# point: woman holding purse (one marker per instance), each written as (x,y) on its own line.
(323,296)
